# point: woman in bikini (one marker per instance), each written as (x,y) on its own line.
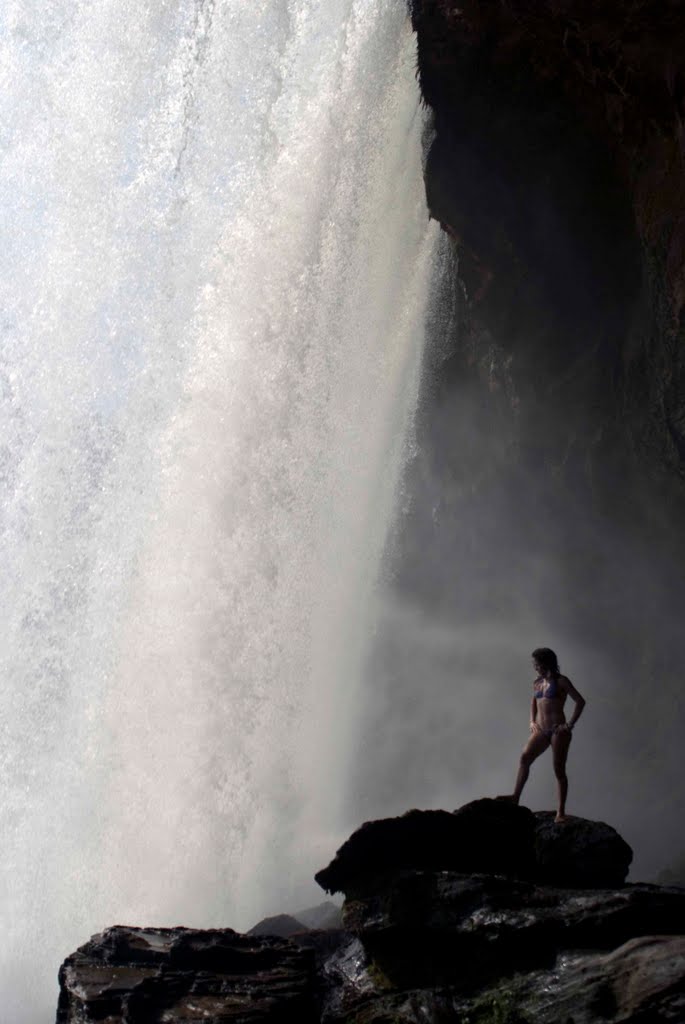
(548,725)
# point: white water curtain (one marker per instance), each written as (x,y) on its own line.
(215,268)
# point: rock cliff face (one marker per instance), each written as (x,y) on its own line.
(558,162)
(546,497)
(427,937)
(558,170)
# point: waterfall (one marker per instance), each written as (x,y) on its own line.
(215,271)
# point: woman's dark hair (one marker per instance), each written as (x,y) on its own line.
(547,660)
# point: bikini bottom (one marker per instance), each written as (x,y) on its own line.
(550,732)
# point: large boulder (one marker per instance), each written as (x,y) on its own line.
(440,927)
(281,925)
(466,915)
(579,853)
(490,836)
(483,837)
(151,975)
(323,917)
(641,982)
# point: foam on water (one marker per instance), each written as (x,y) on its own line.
(214,279)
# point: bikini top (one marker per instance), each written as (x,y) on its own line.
(548,691)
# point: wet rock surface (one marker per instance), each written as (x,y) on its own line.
(641,982)
(444,945)
(149,975)
(423,926)
(644,979)
(420,942)
(580,853)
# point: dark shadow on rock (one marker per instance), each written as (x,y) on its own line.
(148,975)
(485,835)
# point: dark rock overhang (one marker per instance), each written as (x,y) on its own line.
(558,167)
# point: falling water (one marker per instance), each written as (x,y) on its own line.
(214,274)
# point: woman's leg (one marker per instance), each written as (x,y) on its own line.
(560,744)
(536,745)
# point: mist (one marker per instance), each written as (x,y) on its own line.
(494,554)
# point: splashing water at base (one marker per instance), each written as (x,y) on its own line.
(213,293)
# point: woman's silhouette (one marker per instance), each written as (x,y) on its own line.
(548,723)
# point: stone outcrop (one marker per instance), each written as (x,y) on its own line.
(432,942)
(281,925)
(485,835)
(641,982)
(324,917)
(423,926)
(558,163)
(581,854)
(492,836)
(447,919)
(149,975)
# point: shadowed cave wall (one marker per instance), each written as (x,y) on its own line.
(545,499)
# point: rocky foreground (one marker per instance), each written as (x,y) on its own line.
(488,915)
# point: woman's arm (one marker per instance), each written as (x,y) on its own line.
(570,689)
(533,715)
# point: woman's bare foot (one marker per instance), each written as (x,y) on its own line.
(561,818)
